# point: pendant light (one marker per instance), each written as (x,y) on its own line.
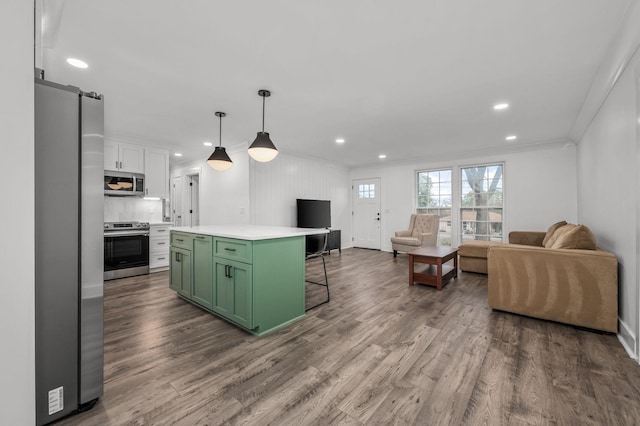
(262,149)
(219,160)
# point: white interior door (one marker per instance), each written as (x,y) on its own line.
(176,201)
(366,213)
(192,212)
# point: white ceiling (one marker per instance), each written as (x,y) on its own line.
(410,79)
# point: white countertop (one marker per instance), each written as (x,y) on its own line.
(250,232)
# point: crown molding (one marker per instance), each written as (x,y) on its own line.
(621,50)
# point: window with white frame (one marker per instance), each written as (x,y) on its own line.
(481,203)
(367,190)
(435,197)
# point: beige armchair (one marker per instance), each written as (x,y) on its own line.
(422,232)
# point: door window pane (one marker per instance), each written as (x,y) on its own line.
(367,190)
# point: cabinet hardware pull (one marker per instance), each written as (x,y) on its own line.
(161,258)
(121,164)
(229,249)
(161,230)
(161,244)
(180,239)
(200,237)
(177,257)
(116,164)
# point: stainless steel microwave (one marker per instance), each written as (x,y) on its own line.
(123,184)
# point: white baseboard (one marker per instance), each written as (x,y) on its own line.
(628,339)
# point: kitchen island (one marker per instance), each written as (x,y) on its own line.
(250,275)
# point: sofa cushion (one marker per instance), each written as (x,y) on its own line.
(575,237)
(558,233)
(476,248)
(553,228)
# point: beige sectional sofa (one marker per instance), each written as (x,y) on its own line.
(541,276)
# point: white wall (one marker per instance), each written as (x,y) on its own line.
(276,185)
(17,323)
(539,187)
(608,190)
(266,193)
(224,195)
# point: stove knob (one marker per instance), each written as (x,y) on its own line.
(137,225)
(106,226)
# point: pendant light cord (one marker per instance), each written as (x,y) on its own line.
(263,97)
(220,136)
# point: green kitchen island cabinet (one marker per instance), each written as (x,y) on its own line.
(252,276)
(180,265)
(202,256)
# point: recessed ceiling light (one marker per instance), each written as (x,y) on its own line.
(511,138)
(339,140)
(207,144)
(77,63)
(177,154)
(382,156)
(501,106)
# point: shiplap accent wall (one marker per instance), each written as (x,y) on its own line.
(275,186)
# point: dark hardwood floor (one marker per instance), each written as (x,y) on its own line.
(380,352)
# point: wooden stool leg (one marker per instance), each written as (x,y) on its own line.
(410,270)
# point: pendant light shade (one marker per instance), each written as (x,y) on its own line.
(262,149)
(219,160)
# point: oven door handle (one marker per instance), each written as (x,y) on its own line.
(125,233)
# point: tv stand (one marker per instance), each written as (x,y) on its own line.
(334,241)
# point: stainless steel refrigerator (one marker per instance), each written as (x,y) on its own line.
(69,217)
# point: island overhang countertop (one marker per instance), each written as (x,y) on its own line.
(249,232)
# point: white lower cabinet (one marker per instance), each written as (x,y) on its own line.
(159,247)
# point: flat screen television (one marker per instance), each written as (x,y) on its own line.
(314,213)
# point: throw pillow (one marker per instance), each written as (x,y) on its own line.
(577,237)
(553,228)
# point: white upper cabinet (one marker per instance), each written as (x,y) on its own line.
(111,160)
(123,157)
(156,173)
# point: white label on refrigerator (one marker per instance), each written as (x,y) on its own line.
(56,400)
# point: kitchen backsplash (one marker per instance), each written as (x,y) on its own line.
(122,209)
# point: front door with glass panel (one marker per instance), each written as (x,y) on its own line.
(366,213)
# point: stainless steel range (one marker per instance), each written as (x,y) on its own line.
(126,249)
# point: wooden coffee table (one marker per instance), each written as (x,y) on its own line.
(435,273)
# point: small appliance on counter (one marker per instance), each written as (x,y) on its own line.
(126,249)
